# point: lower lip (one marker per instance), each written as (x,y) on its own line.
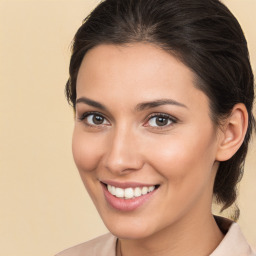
(122,204)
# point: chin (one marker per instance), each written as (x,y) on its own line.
(129,234)
(128,229)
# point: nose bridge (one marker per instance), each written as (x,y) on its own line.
(122,153)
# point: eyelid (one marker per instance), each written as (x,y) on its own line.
(173,119)
(84,115)
(87,113)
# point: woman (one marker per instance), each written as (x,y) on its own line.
(163,94)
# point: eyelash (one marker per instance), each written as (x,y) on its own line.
(172,119)
(86,114)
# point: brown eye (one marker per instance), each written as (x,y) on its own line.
(95,119)
(161,121)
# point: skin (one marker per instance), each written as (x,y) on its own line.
(181,156)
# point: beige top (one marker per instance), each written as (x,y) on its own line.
(233,244)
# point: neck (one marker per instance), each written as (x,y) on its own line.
(193,238)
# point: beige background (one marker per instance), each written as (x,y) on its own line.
(44,207)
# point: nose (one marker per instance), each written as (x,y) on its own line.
(123,154)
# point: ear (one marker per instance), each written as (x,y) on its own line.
(232,133)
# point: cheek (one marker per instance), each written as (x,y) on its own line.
(183,158)
(87,154)
(86,151)
(186,166)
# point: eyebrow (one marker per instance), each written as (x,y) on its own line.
(140,107)
(91,103)
(156,103)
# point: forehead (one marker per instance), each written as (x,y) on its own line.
(134,73)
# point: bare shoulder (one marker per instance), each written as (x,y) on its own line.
(102,245)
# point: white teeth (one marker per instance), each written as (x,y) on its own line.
(150,189)
(137,192)
(144,190)
(119,192)
(113,190)
(129,193)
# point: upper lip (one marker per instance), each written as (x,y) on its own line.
(128,184)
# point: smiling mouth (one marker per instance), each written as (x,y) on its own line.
(130,192)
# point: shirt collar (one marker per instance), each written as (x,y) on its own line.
(234,243)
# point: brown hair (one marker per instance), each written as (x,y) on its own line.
(205,36)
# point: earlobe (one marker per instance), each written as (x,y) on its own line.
(232,133)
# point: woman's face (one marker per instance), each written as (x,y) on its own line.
(140,122)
